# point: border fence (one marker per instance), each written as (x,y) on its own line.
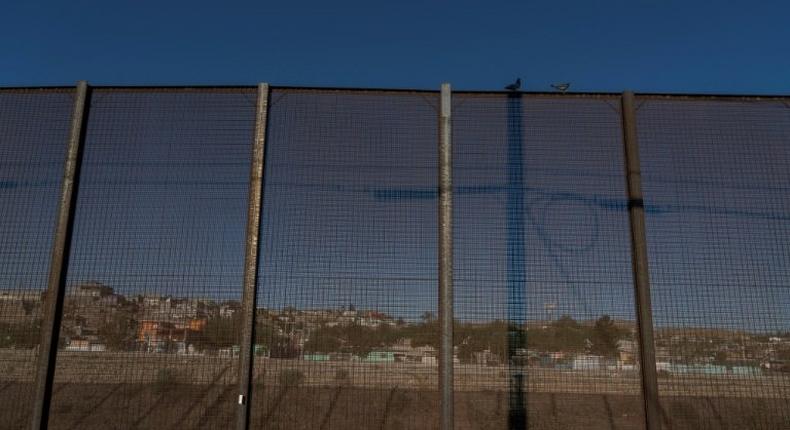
(274,257)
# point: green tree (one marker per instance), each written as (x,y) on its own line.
(219,333)
(605,335)
(265,331)
(321,340)
(563,335)
(425,334)
(427,317)
(20,335)
(492,336)
(119,332)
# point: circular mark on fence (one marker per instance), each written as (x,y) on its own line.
(569,224)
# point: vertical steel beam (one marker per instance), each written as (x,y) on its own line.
(58,266)
(248,307)
(446,259)
(644,310)
(516,266)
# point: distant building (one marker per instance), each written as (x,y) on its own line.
(380,357)
(430,361)
(261,350)
(485,358)
(342,356)
(229,352)
(745,371)
(162,336)
(315,357)
(227,310)
(587,362)
(626,350)
(151,301)
(21,295)
(92,289)
(663,353)
(777,365)
(85,345)
(406,353)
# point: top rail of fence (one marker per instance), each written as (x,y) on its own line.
(572,94)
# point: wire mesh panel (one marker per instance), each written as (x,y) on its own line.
(34,127)
(716,179)
(149,336)
(544,304)
(346,331)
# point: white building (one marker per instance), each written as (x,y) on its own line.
(587,362)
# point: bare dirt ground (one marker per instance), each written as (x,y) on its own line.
(105,406)
(131,391)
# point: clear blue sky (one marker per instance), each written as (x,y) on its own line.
(658,46)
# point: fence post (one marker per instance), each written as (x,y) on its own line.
(58,266)
(516,266)
(247,349)
(644,310)
(446,259)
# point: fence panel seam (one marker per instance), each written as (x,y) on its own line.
(61,243)
(639,263)
(446,259)
(252,246)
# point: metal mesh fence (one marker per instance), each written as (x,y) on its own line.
(34,127)
(543,294)
(148,328)
(346,333)
(347,296)
(717,180)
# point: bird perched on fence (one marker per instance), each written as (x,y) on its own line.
(561,87)
(515,86)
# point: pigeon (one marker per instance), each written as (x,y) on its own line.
(561,87)
(515,86)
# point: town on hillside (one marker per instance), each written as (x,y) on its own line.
(98,319)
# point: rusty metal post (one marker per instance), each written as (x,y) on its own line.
(58,265)
(516,267)
(644,310)
(446,260)
(248,307)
